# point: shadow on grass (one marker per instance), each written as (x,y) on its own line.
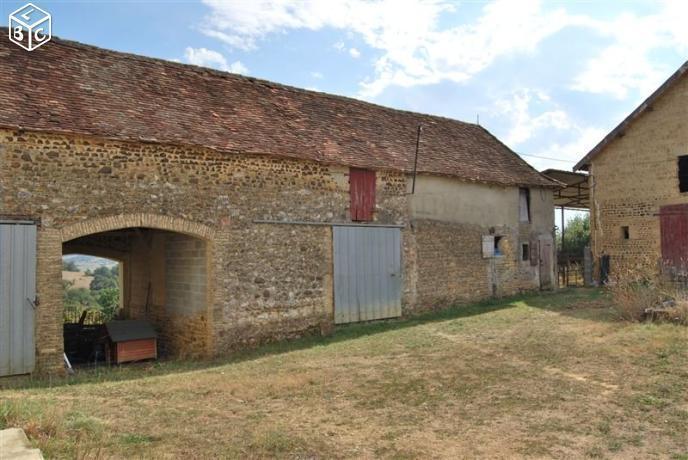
(579,303)
(549,301)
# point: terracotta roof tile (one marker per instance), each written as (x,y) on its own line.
(69,87)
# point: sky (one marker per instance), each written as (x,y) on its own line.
(549,78)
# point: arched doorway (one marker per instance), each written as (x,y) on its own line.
(164,274)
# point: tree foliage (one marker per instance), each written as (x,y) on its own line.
(103,293)
(105,278)
(108,300)
(69,266)
(576,235)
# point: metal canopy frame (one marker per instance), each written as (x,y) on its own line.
(575,194)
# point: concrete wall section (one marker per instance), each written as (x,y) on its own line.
(450,200)
(186,283)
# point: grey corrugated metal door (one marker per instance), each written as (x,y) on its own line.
(17,294)
(367,273)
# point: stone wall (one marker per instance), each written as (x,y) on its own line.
(449,219)
(633,177)
(450,267)
(264,281)
(78,185)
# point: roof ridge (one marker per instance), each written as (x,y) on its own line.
(257,80)
(246,113)
(516,155)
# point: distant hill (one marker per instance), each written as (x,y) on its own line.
(84,262)
(78,279)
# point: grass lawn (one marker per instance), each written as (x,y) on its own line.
(542,376)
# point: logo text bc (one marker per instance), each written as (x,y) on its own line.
(30,27)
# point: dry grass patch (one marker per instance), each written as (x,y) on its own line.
(539,376)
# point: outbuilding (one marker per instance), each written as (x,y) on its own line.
(638,181)
(244,211)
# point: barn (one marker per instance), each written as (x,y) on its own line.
(244,211)
(638,181)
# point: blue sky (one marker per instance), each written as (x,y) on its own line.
(549,78)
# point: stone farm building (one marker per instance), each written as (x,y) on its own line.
(639,186)
(245,211)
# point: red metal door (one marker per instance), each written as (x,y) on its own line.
(674,230)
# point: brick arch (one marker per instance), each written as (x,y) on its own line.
(199,324)
(120,221)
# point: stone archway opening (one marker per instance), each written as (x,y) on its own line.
(164,279)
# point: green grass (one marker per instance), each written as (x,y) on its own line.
(542,376)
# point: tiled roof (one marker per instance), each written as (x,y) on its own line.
(67,87)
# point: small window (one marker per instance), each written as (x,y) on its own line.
(524,205)
(625,232)
(497,246)
(683,173)
(525,251)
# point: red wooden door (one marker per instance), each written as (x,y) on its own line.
(362,191)
(674,230)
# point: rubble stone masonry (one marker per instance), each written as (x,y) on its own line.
(263,281)
(633,177)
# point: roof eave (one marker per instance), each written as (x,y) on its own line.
(584,164)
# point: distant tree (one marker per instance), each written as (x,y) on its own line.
(108,301)
(69,266)
(77,299)
(104,278)
(576,234)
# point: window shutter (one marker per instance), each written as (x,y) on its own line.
(488,246)
(683,173)
(534,253)
(362,194)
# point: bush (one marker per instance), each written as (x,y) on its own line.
(633,299)
(639,296)
(679,313)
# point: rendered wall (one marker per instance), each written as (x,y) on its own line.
(449,219)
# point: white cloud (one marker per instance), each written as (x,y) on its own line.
(317,75)
(414,48)
(564,155)
(626,63)
(531,115)
(524,125)
(237,67)
(209,58)
(354,53)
